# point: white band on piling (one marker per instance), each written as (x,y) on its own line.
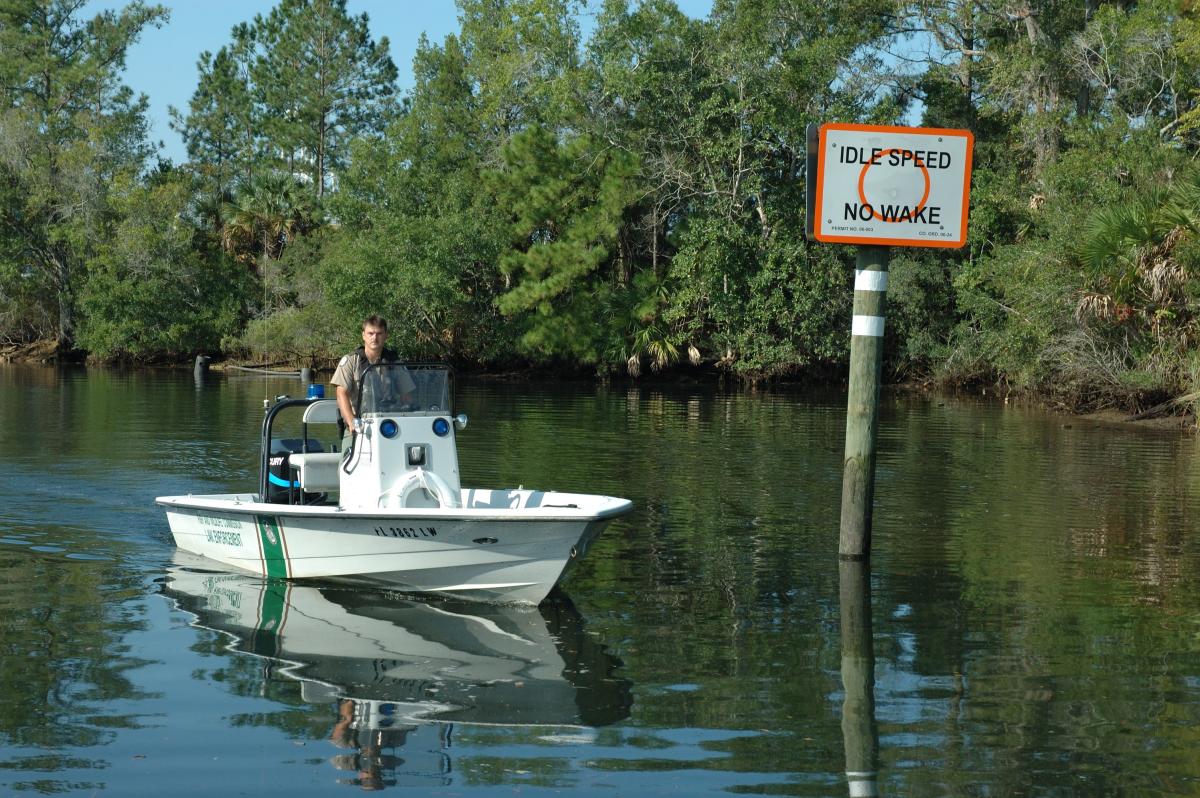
(870,280)
(862,785)
(867,325)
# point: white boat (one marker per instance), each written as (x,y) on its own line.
(390,509)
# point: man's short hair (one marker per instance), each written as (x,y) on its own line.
(375,320)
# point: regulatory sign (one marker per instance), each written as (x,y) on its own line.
(901,186)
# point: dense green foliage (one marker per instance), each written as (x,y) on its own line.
(68,131)
(626,200)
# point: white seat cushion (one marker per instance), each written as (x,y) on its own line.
(318,470)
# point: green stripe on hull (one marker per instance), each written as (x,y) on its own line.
(272,547)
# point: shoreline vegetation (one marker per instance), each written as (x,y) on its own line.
(627,204)
(1175,414)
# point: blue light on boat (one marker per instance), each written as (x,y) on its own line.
(441,427)
(388,428)
(316,391)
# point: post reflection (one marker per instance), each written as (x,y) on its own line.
(397,676)
(860,735)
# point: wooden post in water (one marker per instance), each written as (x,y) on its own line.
(862,404)
(200,369)
(878,186)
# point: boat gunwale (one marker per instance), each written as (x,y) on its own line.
(225,502)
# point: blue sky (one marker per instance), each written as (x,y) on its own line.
(162,65)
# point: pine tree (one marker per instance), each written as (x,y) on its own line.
(68,127)
(322,80)
(220,130)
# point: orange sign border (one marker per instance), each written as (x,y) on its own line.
(901,242)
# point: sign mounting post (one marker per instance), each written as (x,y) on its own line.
(878,187)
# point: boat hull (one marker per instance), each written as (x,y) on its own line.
(501,546)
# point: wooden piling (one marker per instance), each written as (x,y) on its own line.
(862,404)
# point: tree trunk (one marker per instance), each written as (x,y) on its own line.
(66,301)
(1083,100)
(319,176)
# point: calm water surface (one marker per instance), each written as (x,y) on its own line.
(1030,624)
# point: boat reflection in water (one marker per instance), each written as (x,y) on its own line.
(396,668)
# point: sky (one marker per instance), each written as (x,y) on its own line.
(162,65)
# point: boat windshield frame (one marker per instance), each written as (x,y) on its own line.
(381,390)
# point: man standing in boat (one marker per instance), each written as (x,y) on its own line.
(351,368)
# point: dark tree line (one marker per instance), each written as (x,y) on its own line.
(627,201)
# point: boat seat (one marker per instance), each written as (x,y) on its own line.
(323,411)
(318,470)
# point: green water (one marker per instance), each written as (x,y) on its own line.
(1032,623)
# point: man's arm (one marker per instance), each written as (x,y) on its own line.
(342,377)
(345,407)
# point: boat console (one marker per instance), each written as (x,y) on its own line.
(402,455)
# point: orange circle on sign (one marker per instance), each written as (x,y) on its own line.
(862,176)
